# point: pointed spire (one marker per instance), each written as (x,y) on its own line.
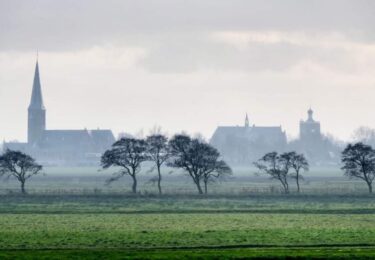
(36,95)
(246,121)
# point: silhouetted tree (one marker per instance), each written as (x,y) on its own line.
(158,151)
(128,154)
(277,166)
(212,168)
(18,165)
(297,162)
(199,159)
(359,162)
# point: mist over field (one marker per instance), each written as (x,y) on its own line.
(173,129)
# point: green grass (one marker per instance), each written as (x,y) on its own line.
(76,216)
(184,230)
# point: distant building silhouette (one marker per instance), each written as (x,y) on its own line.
(244,144)
(241,145)
(318,148)
(36,123)
(309,130)
(59,147)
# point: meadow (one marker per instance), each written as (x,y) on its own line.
(74,216)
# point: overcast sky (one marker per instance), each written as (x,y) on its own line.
(188,65)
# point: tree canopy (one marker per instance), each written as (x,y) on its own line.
(128,154)
(359,162)
(200,160)
(19,166)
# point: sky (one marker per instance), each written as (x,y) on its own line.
(188,65)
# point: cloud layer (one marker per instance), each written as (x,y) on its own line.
(188,65)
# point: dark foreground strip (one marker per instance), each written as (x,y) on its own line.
(238,253)
(213,247)
(251,211)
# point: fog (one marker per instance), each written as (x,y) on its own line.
(188,65)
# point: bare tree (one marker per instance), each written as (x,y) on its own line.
(200,160)
(276,166)
(359,162)
(298,163)
(19,165)
(364,135)
(158,151)
(214,169)
(156,130)
(128,154)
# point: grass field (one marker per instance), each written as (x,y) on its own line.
(186,230)
(123,226)
(117,225)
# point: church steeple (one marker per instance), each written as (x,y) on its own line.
(246,121)
(36,95)
(36,111)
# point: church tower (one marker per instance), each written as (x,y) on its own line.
(36,111)
(309,129)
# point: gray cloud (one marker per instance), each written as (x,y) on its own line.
(182,53)
(136,60)
(69,25)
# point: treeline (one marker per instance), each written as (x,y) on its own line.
(358,162)
(201,161)
(197,158)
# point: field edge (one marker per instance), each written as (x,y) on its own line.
(230,253)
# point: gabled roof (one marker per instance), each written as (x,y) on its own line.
(250,133)
(93,139)
(249,130)
(104,136)
(65,138)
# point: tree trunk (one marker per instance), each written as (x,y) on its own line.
(369,184)
(200,191)
(134,187)
(205,187)
(285,185)
(23,187)
(297,181)
(159,180)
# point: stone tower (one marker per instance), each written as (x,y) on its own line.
(309,129)
(36,111)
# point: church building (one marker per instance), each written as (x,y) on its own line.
(318,148)
(59,147)
(245,144)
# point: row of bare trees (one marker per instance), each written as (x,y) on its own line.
(283,167)
(358,162)
(197,158)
